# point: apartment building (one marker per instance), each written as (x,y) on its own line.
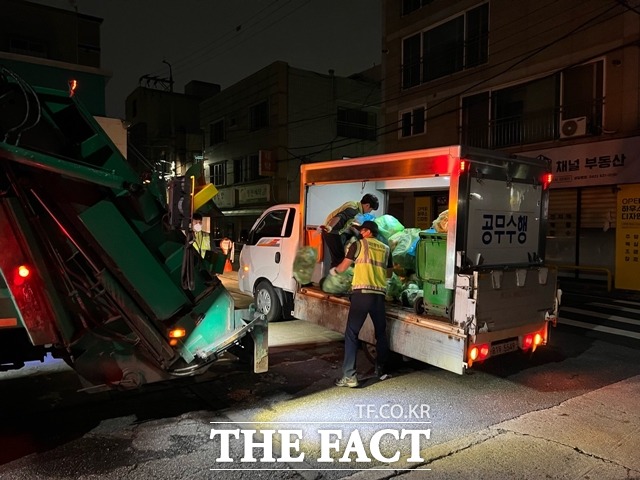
(259,130)
(552,78)
(164,127)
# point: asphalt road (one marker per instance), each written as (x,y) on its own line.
(48,430)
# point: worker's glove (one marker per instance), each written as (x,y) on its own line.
(333,271)
(324,228)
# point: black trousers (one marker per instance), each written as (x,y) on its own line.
(363,304)
(335,245)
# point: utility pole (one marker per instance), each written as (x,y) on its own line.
(173,120)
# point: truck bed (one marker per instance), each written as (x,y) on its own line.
(425,338)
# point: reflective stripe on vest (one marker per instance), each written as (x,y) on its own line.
(370,271)
(355,205)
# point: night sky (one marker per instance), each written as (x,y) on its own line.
(224,41)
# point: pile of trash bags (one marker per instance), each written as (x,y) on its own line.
(304,264)
(340,283)
(403,286)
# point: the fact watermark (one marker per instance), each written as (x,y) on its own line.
(376,433)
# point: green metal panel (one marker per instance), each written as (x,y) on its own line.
(134,261)
(7,305)
(216,324)
(91,86)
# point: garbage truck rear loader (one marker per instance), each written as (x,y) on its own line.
(95,266)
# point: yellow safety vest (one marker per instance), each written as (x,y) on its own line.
(201,242)
(370,271)
(355,205)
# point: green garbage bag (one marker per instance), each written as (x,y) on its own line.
(400,244)
(394,288)
(340,283)
(388,225)
(304,264)
(410,294)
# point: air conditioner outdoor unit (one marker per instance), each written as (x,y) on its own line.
(573,127)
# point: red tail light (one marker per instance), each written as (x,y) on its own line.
(477,353)
(22,273)
(546,180)
(527,341)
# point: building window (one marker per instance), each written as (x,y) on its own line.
(462,42)
(245,169)
(259,116)
(216,132)
(443,49)
(582,94)
(409,6)
(412,122)
(218,173)
(535,111)
(411,61)
(354,123)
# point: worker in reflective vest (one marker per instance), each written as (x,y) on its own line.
(336,228)
(373,265)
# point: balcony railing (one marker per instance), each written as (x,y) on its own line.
(515,130)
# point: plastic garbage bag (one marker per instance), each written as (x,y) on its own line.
(340,283)
(304,264)
(410,294)
(394,288)
(400,244)
(388,225)
(441,224)
(364,217)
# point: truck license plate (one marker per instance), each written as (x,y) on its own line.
(505,347)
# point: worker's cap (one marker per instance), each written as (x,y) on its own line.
(369,225)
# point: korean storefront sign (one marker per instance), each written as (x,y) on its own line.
(611,162)
(225,198)
(628,238)
(253,193)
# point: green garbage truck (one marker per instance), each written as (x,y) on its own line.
(486,288)
(97,265)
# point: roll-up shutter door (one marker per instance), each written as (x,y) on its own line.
(598,207)
(563,215)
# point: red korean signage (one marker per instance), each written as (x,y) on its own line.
(266,163)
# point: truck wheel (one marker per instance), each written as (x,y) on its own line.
(267,301)
(419,306)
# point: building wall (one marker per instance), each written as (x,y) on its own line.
(526,41)
(49,46)
(536,53)
(40,31)
(164,127)
(301,127)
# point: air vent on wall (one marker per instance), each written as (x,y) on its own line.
(573,127)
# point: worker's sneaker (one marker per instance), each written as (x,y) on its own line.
(350,382)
